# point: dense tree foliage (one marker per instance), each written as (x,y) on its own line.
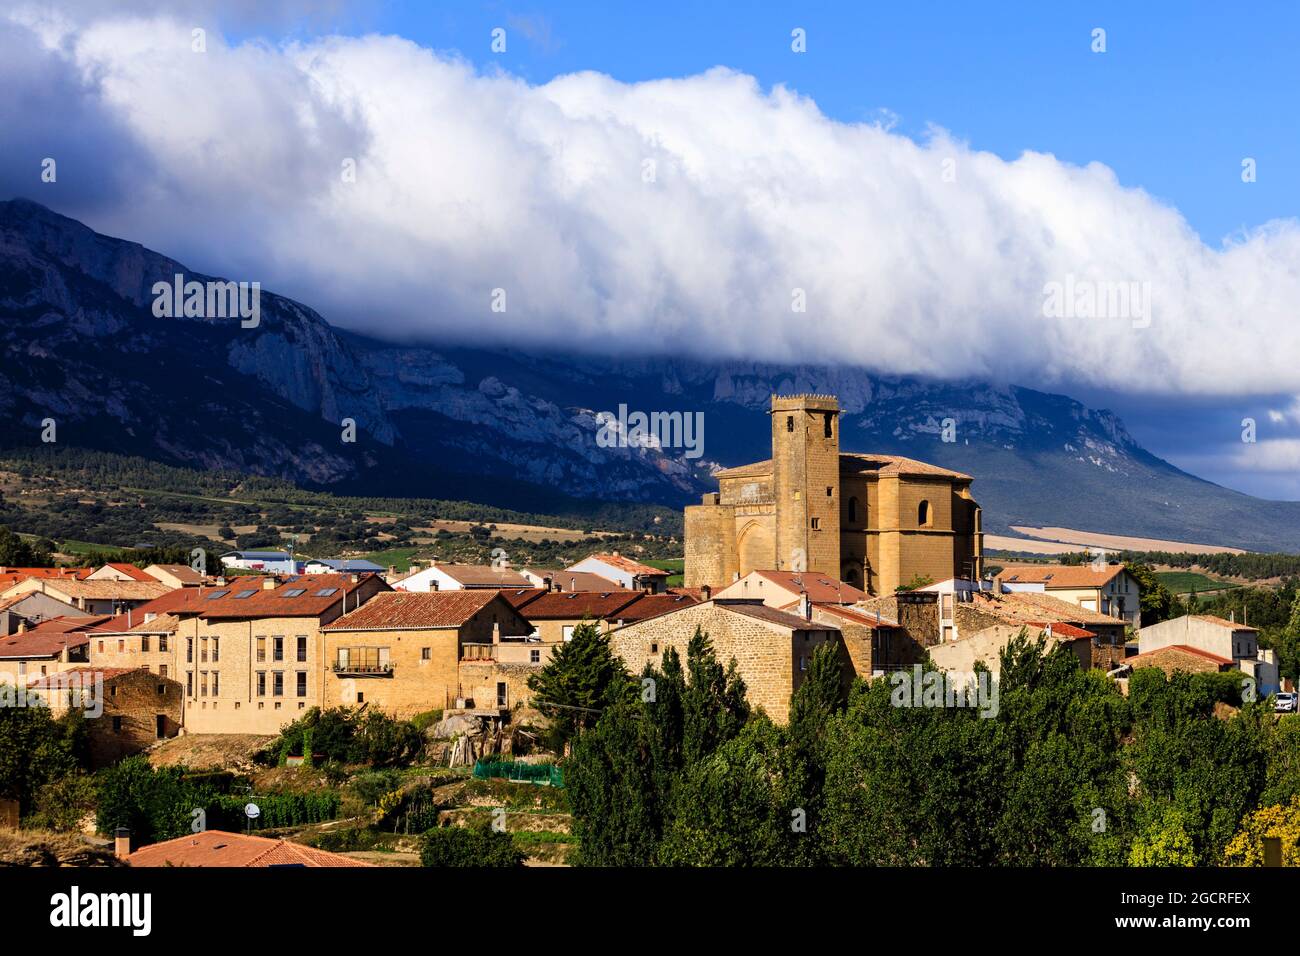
(349,735)
(465,846)
(1055,767)
(35,748)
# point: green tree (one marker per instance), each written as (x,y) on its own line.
(36,749)
(582,678)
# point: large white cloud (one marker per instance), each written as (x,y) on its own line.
(914,257)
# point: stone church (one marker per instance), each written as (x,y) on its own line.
(873,521)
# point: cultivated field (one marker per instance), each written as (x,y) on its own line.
(1065,540)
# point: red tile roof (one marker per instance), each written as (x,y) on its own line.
(578,580)
(820,588)
(413,610)
(130,570)
(1060,575)
(47,639)
(628,565)
(857,464)
(1181,647)
(279,601)
(852,615)
(220,848)
(652,605)
(181,572)
(771,615)
(518,597)
(576,605)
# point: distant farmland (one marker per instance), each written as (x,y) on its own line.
(1184,582)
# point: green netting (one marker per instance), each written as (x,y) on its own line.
(544,773)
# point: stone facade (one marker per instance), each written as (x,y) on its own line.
(771,648)
(874,521)
(139,709)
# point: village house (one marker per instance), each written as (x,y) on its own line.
(1223,638)
(624,572)
(91,597)
(55,645)
(248,654)
(568,580)
(1173,658)
(175,575)
(116,571)
(1109,590)
(138,639)
(9,576)
(22,612)
(772,648)
(780,588)
(877,522)
(458,577)
(411,652)
(555,614)
(138,708)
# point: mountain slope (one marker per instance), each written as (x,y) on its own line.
(82,347)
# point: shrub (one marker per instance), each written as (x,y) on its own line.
(478,847)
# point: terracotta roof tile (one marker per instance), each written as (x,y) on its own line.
(628,565)
(576,605)
(1223,622)
(1184,648)
(220,848)
(412,610)
(1060,575)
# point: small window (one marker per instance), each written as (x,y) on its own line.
(216,649)
(326,592)
(162,642)
(534,657)
(302,649)
(361,698)
(189,650)
(277,684)
(923,514)
(261,683)
(189,683)
(827,428)
(244,594)
(426,653)
(162,670)
(277,648)
(302,683)
(853,511)
(144,644)
(816,524)
(261,649)
(830,492)
(162,690)
(216,684)
(294,592)
(789,423)
(654,647)
(117,725)
(212,596)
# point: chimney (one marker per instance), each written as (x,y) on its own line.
(735,576)
(22,625)
(392,570)
(121,843)
(496,632)
(268,584)
(706,592)
(221,581)
(1232,616)
(805,607)
(354,578)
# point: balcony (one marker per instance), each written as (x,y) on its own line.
(477,652)
(359,669)
(363,662)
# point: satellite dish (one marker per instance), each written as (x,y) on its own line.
(252,811)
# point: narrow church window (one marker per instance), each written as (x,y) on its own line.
(923,514)
(789,423)
(830,492)
(853,510)
(816,523)
(826,428)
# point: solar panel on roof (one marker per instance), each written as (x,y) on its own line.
(325,592)
(294,592)
(213,595)
(244,594)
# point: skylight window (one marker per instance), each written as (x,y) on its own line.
(295,592)
(326,592)
(212,596)
(245,594)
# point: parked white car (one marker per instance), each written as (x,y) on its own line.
(1285,702)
